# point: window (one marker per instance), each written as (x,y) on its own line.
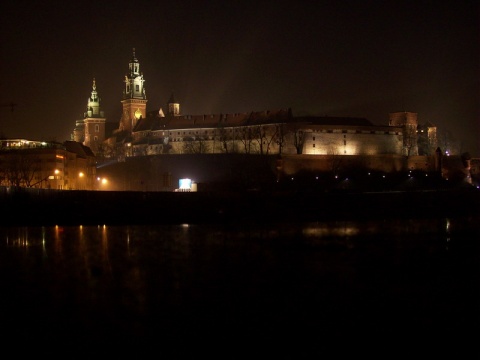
(97,128)
(314,138)
(137,88)
(313,145)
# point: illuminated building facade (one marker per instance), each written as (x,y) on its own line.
(67,166)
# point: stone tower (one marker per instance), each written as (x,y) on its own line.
(173,107)
(94,122)
(134,99)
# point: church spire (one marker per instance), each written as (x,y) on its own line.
(134,82)
(93,103)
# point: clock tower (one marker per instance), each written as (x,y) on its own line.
(134,99)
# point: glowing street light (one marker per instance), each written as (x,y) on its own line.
(102,182)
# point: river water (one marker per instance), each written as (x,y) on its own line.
(378,288)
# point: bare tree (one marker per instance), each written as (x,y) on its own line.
(266,136)
(334,160)
(246,136)
(226,141)
(19,169)
(298,139)
(279,138)
(410,146)
(195,145)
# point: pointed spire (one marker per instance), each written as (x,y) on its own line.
(94,86)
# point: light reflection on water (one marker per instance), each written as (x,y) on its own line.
(323,279)
(35,236)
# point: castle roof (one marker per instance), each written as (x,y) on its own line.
(154,122)
(332,120)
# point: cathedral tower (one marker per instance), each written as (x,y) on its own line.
(94,122)
(134,99)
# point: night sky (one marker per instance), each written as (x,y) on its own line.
(336,58)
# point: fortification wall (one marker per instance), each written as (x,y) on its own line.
(386,163)
(352,143)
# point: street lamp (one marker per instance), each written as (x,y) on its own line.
(81,185)
(102,182)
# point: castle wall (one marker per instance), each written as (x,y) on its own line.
(352,142)
(327,163)
(315,142)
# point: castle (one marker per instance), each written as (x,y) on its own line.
(154,150)
(141,132)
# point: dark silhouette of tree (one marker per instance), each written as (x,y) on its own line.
(19,168)
(195,145)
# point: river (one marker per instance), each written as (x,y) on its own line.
(378,288)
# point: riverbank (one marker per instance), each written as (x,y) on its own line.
(56,207)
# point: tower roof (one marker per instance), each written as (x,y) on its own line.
(172,99)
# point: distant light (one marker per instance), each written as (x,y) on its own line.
(185,184)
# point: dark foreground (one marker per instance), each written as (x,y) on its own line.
(376,289)
(53,207)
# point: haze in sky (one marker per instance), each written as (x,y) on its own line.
(336,58)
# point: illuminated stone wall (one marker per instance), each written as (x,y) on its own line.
(326,163)
(325,141)
(352,142)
